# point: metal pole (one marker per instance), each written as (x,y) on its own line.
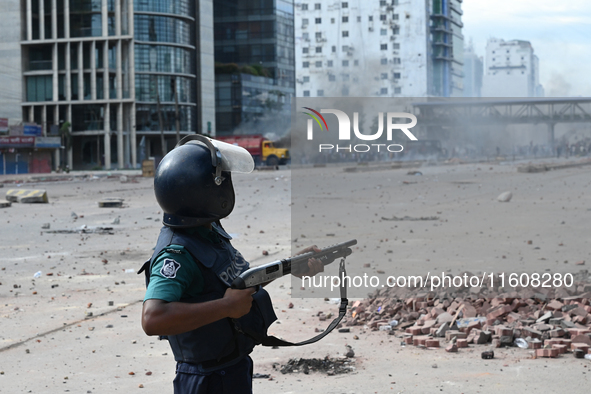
(162,142)
(177,122)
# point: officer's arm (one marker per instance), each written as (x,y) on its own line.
(170,318)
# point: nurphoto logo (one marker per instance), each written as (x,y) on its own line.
(392,123)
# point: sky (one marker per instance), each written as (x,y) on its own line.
(559,31)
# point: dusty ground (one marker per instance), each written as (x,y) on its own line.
(49,343)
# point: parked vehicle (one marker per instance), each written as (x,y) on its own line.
(262,150)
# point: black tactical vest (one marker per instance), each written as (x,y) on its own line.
(226,341)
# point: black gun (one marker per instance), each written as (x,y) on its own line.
(296,265)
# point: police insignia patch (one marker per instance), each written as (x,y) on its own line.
(169,268)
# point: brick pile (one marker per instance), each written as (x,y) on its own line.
(550,321)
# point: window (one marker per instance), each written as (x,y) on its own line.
(382,3)
(345,63)
(317,6)
(370,18)
(334,48)
(396,60)
(318,49)
(345,91)
(304,50)
(383,32)
(320,93)
(306,64)
(396,75)
(383,61)
(318,20)
(358,19)
(395,17)
(396,30)
(331,20)
(318,63)
(306,93)
(355,79)
(329,63)
(345,48)
(345,77)
(507,57)
(383,17)
(344,5)
(384,91)
(355,62)
(493,51)
(384,75)
(345,19)
(305,36)
(332,78)
(395,45)
(345,33)
(397,90)
(304,21)
(383,47)
(318,34)
(507,51)
(304,7)
(493,59)
(306,78)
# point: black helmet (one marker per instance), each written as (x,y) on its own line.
(192,183)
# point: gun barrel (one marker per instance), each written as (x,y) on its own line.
(296,264)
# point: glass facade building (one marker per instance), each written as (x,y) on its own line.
(254,55)
(165,47)
(103,65)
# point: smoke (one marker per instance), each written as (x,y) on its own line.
(557,86)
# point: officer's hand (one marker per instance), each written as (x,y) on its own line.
(314,265)
(238,302)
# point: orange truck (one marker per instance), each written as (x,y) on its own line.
(261,149)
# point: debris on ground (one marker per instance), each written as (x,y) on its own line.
(505,197)
(84,230)
(395,218)
(330,366)
(551,321)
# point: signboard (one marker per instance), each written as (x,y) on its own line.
(17,142)
(48,142)
(3,125)
(32,129)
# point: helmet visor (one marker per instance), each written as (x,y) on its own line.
(234,157)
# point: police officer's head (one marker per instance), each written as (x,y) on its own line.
(193,183)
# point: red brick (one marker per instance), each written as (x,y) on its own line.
(426,328)
(451,334)
(534,345)
(554,341)
(561,348)
(408,340)
(462,343)
(414,330)
(432,343)
(419,340)
(547,352)
(583,346)
(554,305)
(512,317)
(451,348)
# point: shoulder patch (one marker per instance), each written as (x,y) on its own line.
(170,268)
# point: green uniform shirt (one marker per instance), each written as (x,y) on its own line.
(175,274)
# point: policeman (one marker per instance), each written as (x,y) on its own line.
(210,327)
